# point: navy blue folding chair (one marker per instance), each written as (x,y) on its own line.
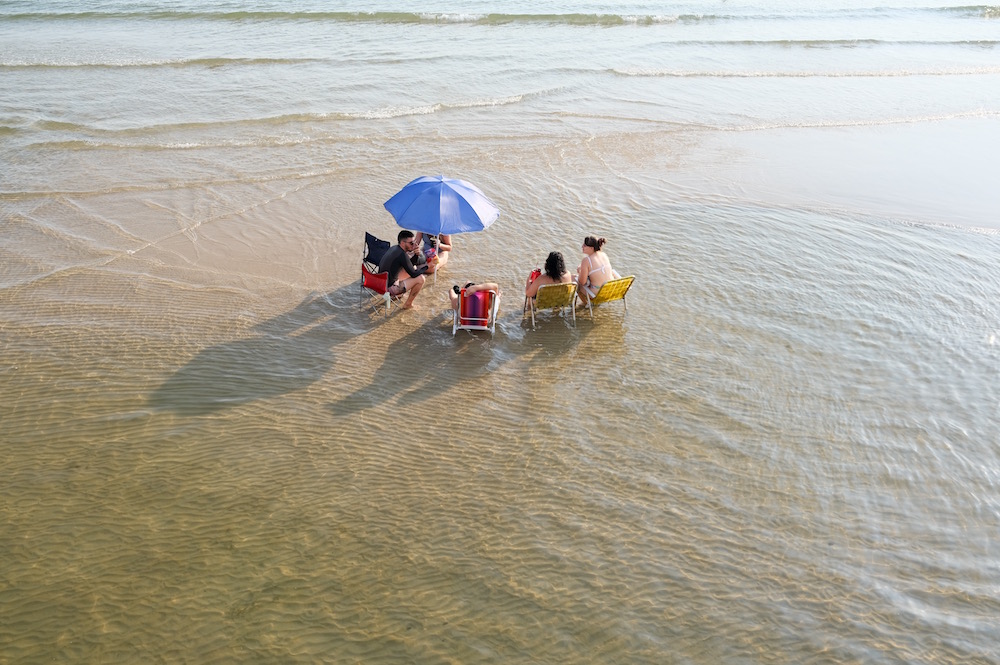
(373,251)
(374,284)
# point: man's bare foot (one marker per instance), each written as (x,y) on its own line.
(410,305)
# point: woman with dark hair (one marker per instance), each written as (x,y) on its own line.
(555,273)
(594,270)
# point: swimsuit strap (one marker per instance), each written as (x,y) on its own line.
(592,270)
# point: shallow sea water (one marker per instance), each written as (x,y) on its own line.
(784,451)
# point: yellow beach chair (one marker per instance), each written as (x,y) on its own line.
(611,290)
(551,296)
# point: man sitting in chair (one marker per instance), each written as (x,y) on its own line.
(396,262)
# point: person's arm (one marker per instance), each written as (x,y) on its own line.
(444,243)
(410,270)
(532,288)
(583,272)
(488,286)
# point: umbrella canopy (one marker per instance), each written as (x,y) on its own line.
(436,205)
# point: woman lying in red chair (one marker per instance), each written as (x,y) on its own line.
(475,306)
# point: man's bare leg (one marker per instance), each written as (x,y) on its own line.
(413,285)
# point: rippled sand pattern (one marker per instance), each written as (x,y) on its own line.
(783,452)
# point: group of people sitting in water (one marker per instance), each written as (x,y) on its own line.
(407,264)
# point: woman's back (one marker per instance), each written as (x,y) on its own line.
(599,269)
(555,273)
(532,289)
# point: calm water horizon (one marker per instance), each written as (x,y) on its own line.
(785,451)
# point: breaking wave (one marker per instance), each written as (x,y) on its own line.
(207,63)
(677,73)
(85,137)
(581,19)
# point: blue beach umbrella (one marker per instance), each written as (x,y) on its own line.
(436,205)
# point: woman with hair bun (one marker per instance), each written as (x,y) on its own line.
(594,270)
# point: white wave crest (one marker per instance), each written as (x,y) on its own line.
(386,112)
(679,73)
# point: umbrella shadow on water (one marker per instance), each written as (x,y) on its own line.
(284,354)
(421,365)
